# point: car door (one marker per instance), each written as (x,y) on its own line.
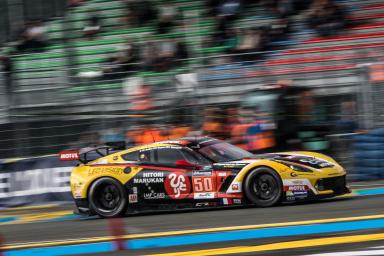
(186,177)
(177,182)
(147,184)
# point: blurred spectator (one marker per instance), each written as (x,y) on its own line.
(221,30)
(112,135)
(249,41)
(181,51)
(139,12)
(148,55)
(287,115)
(166,18)
(178,131)
(285,8)
(279,30)
(347,122)
(213,124)
(260,133)
(166,54)
(93,26)
(7,70)
(227,12)
(149,134)
(212,7)
(141,98)
(121,64)
(33,37)
(326,17)
(75,3)
(230,9)
(239,128)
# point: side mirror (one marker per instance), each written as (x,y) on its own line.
(186,164)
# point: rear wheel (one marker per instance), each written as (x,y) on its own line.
(263,187)
(107,197)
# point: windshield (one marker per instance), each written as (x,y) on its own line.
(224,152)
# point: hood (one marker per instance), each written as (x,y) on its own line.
(313,160)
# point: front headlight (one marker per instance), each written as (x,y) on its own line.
(299,168)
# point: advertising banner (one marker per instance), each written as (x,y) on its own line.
(35,181)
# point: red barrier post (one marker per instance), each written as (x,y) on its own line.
(116,227)
(2,244)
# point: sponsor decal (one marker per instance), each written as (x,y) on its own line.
(204,204)
(294,194)
(132,198)
(296,188)
(177,185)
(222,174)
(202,173)
(300,194)
(235,187)
(115,158)
(105,170)
(206,195)
(69,155)
(150,177)
(152,195)
(134,190)
(296,182)
(315,162)
(236,201)
(226,201)
(289,193)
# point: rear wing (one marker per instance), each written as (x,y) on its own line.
(85,155)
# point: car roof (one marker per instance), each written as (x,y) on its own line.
(191,142)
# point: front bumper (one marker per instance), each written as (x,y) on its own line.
(82,207)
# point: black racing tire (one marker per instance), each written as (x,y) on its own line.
(263,187)
(108,198)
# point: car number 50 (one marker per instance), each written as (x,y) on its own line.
(202,184)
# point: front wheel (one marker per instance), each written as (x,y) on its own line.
(107,197)
(263,187)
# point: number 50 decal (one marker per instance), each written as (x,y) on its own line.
(203,184)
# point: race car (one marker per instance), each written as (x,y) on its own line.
(194,172)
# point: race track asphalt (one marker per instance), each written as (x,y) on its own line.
(79,228)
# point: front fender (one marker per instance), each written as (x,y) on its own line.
(281,169)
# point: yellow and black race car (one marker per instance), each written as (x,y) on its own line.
(196,172)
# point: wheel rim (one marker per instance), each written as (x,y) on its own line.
(265,187)
(108,197)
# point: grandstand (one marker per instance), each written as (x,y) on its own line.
(48,84)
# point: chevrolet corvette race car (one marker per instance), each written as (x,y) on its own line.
(196,172)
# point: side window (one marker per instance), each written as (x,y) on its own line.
(132,156)
(194,158)
(146,156)
(169,156)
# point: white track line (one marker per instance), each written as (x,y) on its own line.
(356,253)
